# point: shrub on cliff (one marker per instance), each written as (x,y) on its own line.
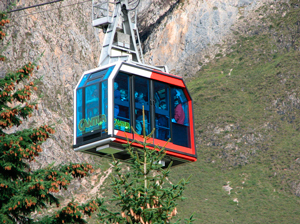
(22,191)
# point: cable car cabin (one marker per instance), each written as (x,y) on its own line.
(109,100)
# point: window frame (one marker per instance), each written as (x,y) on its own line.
(129,100)
(86,138)
(152,111)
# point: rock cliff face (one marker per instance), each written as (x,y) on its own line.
(183,34)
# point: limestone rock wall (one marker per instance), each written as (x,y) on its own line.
(184,37)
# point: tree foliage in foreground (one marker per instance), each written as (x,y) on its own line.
(143,194)
(22,191)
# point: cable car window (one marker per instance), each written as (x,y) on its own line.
(104,108)
(108,72)
(122,103)
(91,115)
(162,118)
(93,81)
(83,80)
(180,125)
(141,98)
(79,111)
(98,74)
(92,105)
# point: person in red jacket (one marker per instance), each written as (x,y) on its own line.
(179,113)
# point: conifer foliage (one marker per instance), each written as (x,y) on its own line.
(143,194)
(23,191)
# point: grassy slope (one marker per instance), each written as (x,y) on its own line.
(246,108)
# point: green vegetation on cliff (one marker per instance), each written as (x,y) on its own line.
(24,191)
(246,107)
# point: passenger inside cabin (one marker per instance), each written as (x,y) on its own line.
(162,123)
(140,98)
(123,110)
(124,96)
(163,105)
(117,96)
(178,95)
(139,125)
(179,115)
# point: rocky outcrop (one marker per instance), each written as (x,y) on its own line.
(184,39)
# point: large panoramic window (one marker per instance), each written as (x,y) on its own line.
(180,119)
(141,99)
(91,105)
(162,111)
(122,103)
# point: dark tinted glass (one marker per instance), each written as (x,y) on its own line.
(79,111)
(122,103)
(180,129)
(162,117)
(104,108)
(93,81)
(92,106)
(98,74)
(141,98)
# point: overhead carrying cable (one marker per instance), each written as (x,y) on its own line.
(64,6)
(33,6)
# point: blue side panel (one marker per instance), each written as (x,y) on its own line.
(104,106)
(79,111)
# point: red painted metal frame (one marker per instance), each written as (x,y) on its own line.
(167,79)
(176,149)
